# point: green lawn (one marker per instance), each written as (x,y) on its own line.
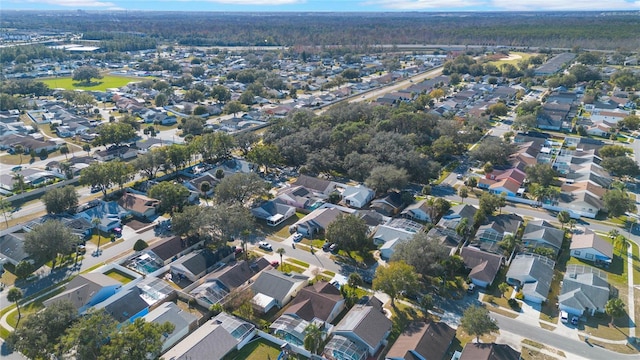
(523,56)
(256,350)
(119,276)
(106,82)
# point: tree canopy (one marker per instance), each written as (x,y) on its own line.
(617,202)
(349,232)
(61,199)
(425,254)
(394,278)
(86,73)
(477,322)
(45,241)
(240,188)
(172,196)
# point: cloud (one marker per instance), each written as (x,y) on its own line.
(559,5)
(75,3)
(257,2)
(425,4)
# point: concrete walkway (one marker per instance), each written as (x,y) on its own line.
(630,299)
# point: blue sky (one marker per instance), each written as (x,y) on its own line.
(323,5)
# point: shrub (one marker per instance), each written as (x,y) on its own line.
(490,299)
(23,269)
(519,295)
(216,309)
(140,245)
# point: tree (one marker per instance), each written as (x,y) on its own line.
(139,340)
(498,109)
(86,337)
(422,252)
(508,243)
(64,150)
(40,333)
(234,107)
(503,288)
(161,100)
(151,162)
(18,181)
(525,122)
(140,245)
(19,149)
(631,122)
(463,192)
(313,338)
(172,196)
(5,208)
(60,200)
(280,251)
(489,203)
(487,168)
(205,187)
(608,151)
(385,177)
(349,232)
(15,295)
(617,202)
(240,188)
(542,174)
(564,217)
(86,73)
(621,243)
(264,155)
(477,322)
(614,308)
(354,280)
(471,182)
(492,149)
(394,278)
(87,148)
(621,166)
(115,133)
(613,233)
(45,241)
(23,269)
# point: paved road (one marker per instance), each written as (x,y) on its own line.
(546,337)
(372,95)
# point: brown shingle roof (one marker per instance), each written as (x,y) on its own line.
(489,352)
(430,340)
(315,301)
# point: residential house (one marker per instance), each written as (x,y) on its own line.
(319,304)
(360,334)
(109,213)
(214,339)
(139,205)
(583,293)
(484,266)
(87,290)
(123,152)
(532,274)
(134,301)
(182,321)
(274,288)
(423,340)
(500,182)
(320,187)
(492,351)
(12,248)
(541,234)
(452,218)
(219,283)
(195,184)
(418,211)
(591,247)
(194,265)
(357,196)
(298,197)
(273,212)
(168,249)
(493,230)
(395,232)
(389,205)
(317,221)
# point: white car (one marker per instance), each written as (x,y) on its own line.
(564,317)
(297,237)
(265,245)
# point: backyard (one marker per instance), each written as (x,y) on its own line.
(256,350)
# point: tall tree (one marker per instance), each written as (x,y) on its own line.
(385,177)
(86,73)
(542,174)
(614,308)
(240,188)
(60,200)
(172,196)
(564,217)
(114,133)
(5,208)
(139,340)
(313,338)
(281,252)
(86,337)
(265,155)
(45,241)
(394,278)
(621,243)
(15,295)
(39,335)
(349,232)
(205,187)
(463,192)
(477,322)
(425,254)
(617,202)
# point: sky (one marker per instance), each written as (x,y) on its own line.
(323,5)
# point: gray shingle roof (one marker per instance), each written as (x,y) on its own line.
(366,322)
(582,291)
(275,284)
(524,268)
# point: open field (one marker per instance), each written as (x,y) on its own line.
(108,81)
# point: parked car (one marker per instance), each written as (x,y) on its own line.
(459,176)
(575,320)
(265,245)
(326,246)
(297,237)
(333,247)
(471,288)
(564,317)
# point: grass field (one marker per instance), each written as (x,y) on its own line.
(515,57)
(106,82)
